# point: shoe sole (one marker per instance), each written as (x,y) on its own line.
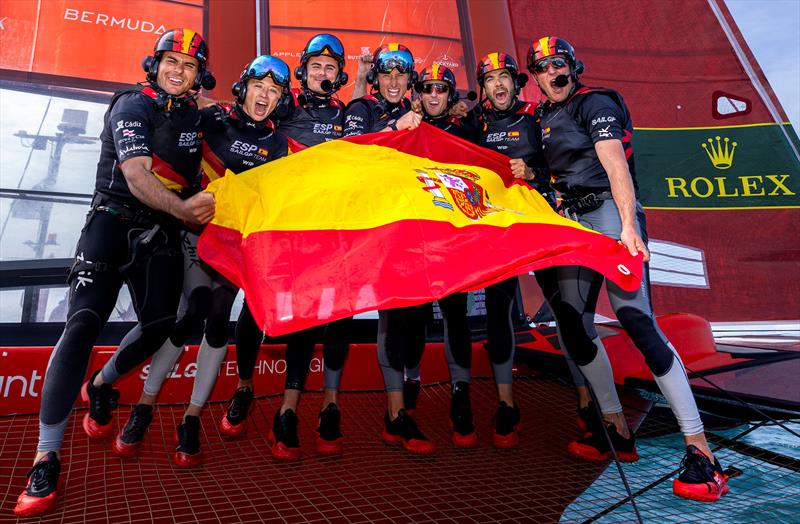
(28,506)
(328,447)
(90,426)
(470,440)
(687,491)
(507,441)
(232,430)
(280,451)
(591,454)
(416,446)
(123,449)
(185,460)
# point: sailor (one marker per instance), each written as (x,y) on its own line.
(208,296)
(313,115)
(437,96)
(387,109)
(150,153)
(586,137)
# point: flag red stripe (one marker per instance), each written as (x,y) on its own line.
(360,265)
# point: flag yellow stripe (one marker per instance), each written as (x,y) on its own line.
(363,187)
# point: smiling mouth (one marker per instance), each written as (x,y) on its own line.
(175,81)
(260,109)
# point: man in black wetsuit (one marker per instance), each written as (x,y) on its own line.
(437,95)
(150,152)
(587,144)
(235,138)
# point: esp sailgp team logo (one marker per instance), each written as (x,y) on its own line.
(469,197)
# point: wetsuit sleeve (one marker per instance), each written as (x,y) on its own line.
(602,117)
(130,128)
(281,147)
(357,119)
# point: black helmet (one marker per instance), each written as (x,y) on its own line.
(497,60)
(184,41)
(392,56)
(439,73)
(549,46)
(323,45)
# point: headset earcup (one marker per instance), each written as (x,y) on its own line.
(342,79)
(578,69)
(522,81)
(208,82)
(413,78)
(371,78)
(150,66)
(298,73)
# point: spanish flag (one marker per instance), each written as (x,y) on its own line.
(386,220)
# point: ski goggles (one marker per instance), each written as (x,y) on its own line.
(557,62)
(439,88)
(400,60)
(271,66)
(318,44)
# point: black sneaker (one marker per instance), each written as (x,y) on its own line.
(188,453)
(234,423)
(464,435)
(283,437)
(40,495)
(595,446)
(130,438)
(587,417)
(97,423)
(410,394)
(329,436)
(700,479)
(404,431)
(506,426)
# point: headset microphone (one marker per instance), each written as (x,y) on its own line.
(472,96)
(561,80)
(326,85)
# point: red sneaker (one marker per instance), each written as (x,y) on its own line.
(404,431)
(40,494)
(283,437)
(506,426)
(98,422)
(700,479)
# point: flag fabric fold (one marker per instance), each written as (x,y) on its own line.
(387,220)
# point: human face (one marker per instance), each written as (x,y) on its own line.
(434,97)
(393,85)
(546,79)
(319,68)
(261,98)
(177,72)
(499,88)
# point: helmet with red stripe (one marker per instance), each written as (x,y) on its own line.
(549,46)
(498,60)
(187,42)
(439,73)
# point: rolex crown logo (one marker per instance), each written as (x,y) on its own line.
(720,154)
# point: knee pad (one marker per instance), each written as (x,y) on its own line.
(499,353)
(156,332)
(578,343)
(334,356)
(642,329)
(199,302)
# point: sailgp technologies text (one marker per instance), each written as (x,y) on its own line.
(228,368)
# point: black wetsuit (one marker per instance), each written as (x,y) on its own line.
(401,331)
(124,241)
(309,121)
(515,133)
(458,336)
(570,131)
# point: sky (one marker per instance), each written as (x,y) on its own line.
(772,30)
